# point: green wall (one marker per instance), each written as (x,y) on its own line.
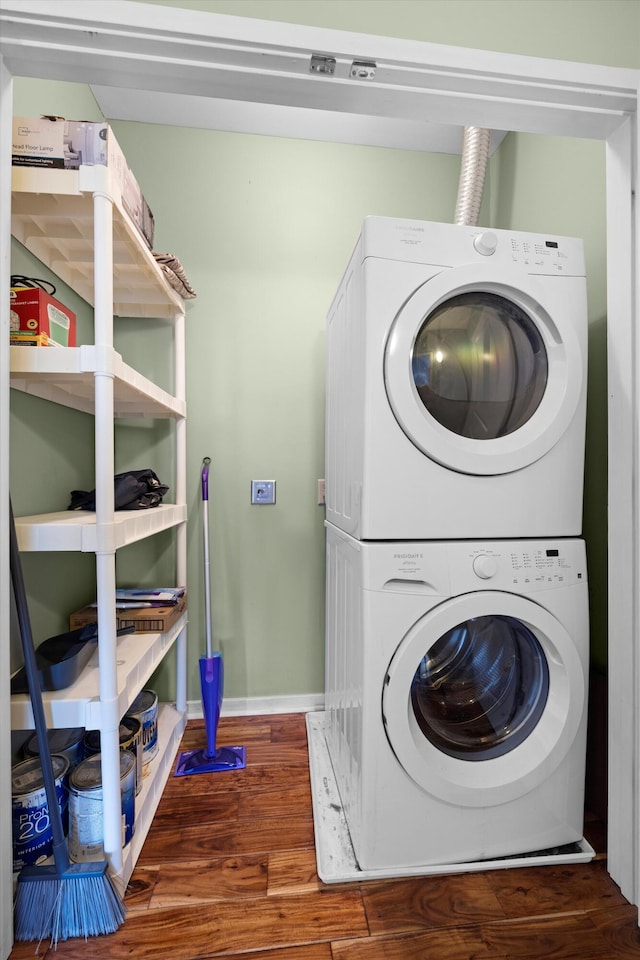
(558,185)
(589,31)
(275,223)
(263,227)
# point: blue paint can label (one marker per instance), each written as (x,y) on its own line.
(145,709)
(86,830)
(31,826)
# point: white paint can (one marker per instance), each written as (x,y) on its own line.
(86,828)
(130,737)
(145,709)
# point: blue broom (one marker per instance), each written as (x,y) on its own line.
(212,759)
(62,899)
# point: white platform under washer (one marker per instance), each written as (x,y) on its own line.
(455,704)
(456,384)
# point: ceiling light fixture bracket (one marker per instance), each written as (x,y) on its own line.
(322,64)
(363,70)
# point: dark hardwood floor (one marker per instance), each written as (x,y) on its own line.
(228,870)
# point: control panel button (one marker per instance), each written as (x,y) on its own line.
(485,566)
(486,243)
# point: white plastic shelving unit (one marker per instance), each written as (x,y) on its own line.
(75,223)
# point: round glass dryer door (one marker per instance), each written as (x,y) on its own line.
(479,365)
(480,375)
(483,698)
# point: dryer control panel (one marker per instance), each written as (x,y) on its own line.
(454,245)
(547,255)
(536,253)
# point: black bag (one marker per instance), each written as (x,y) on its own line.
(134,490)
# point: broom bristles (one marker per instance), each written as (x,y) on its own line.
(83,902)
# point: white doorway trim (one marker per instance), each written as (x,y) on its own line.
(193,54)
(6,840)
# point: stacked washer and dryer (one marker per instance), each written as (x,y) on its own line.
(457,636)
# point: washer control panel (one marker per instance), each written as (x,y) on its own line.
(439,568)
(485,566)
(525,565)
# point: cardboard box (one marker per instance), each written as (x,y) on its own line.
(68,144)
(26,340)
(144,619)
(35,313)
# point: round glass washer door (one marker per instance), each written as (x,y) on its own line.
(483,698)
(481,688)
(478,374)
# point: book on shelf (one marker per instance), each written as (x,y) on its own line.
(145,597)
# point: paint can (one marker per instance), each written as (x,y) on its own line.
(63,741)
(32,835)
(145,709)
(86,831)
(130,737)
(131,740)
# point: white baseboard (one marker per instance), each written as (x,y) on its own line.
(255,706)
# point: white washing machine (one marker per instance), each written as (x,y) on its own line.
(456,682)
(456,393)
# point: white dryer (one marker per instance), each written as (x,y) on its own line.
(456,384)
(456,685)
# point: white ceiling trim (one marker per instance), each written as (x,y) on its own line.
(183,52)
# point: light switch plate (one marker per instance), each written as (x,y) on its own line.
(263,491)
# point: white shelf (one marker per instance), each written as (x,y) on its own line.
(52,216)
(171,724)
(65,375)
(75,223)
(138,655)
(76,530)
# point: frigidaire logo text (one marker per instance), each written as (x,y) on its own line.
(407,556)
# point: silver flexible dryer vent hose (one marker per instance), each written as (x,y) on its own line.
(475,153)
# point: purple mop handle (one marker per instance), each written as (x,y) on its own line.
(205,478)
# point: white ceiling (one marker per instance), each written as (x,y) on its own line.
(278,120)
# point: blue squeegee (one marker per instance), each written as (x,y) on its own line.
(211,759)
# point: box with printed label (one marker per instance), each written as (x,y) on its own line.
(68,144)
(26,340)
(143,619)
(35,313)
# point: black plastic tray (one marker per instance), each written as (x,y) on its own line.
(61,659)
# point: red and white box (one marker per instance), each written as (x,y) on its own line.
(35,313)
